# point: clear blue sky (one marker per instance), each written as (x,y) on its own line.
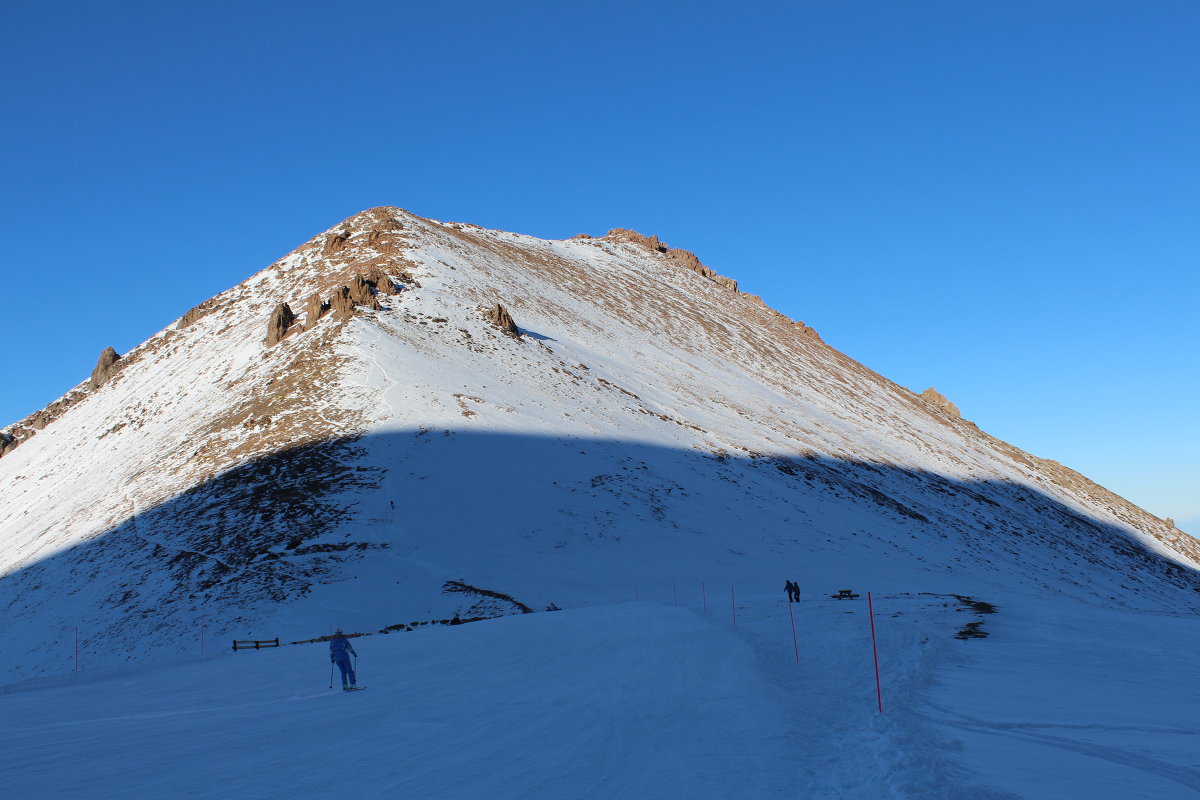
(997,198)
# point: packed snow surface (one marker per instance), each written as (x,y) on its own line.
(646,699)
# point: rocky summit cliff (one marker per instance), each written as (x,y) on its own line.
(405,419)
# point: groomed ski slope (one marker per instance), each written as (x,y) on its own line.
(648,700)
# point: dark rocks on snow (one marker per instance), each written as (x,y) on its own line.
(498,315)
(8,442)
(39,420)
(105,368)
(277,327)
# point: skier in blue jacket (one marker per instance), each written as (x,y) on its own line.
(339,653)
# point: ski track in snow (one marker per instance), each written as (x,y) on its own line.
(640,699)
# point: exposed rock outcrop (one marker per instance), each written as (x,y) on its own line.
(341,303)
(498,315)
(641,240)
(38,420)
(758,301)
(363,294)
(277,327)
(381,282)
(336,241)
(194,315)
(105,368)
(315,309)
(938,400)
(361,291)
(806,330)
(1170,522)
(684,258)
(690,260)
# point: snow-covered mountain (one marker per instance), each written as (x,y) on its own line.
(404,420)
(443,415)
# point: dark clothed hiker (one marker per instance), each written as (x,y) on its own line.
(340,651)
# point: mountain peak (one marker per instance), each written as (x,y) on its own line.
(399,403)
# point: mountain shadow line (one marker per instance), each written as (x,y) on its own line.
(378,524)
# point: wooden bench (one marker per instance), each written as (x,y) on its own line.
(844,594)
(254,644)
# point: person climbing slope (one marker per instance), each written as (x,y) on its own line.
(340,650)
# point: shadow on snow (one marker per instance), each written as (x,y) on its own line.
(561,520)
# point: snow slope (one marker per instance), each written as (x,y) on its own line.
(650,433)
(642,700)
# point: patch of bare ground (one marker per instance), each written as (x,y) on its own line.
(289,410)
(463,408)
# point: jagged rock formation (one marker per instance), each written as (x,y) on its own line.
(806,330)
(363,294)
(936,399)
(315,309)
(336,241)
(194,315)
(341,302)
(277,327)
(39,420)
(684,258)
(382,283)
(498,315)
(105,367)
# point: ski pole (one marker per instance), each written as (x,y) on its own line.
(330,674)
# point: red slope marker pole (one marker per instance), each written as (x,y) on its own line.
(795,644)
(875,651)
